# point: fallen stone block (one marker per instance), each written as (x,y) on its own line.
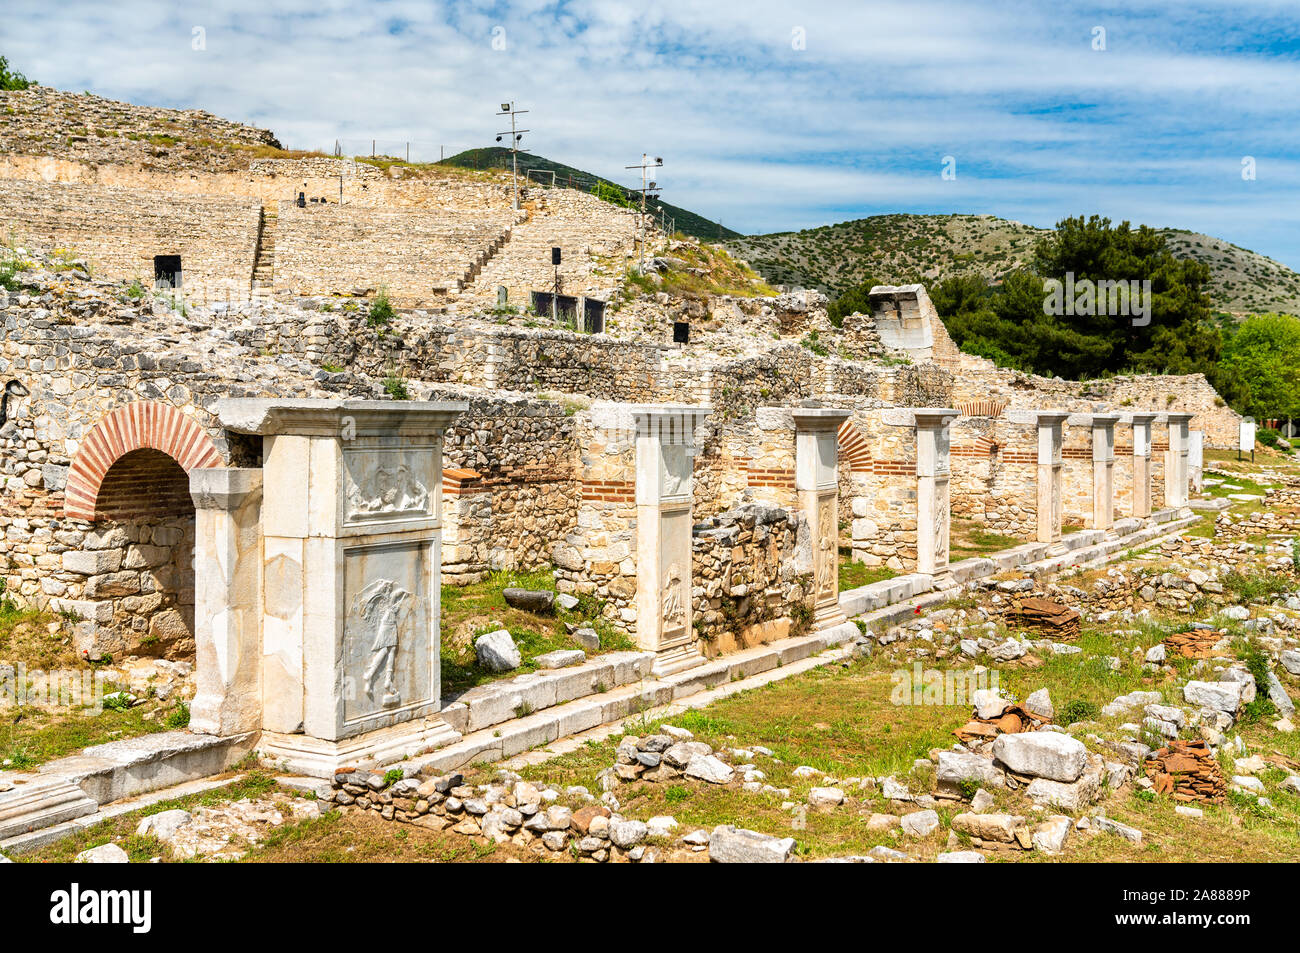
(1042,754)
(732,845)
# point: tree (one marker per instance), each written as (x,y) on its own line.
(1265,353)
(1108,332)
(611,194)
(857,300)
(12,79)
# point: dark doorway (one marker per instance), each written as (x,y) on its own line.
(594,314)
(167,271)
(681,332)
(541,302)
(566,307)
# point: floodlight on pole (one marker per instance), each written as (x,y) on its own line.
(508,109)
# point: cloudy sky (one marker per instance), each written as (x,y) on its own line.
(769,116)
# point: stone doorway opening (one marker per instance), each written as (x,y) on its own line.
(144,526)
(166,271)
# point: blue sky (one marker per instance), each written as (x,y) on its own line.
(770,116)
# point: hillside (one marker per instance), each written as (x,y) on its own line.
(896,248)
(85,127)
(497,157)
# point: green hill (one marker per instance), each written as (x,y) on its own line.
(497,157)
(896,248)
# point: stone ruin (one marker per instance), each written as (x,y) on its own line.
(234,482)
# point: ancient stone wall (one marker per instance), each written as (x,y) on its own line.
(994,475)
(597,556)
(89,129)
(979,380)
(271,181)
(882,493)
(525,492)
(119,231)
(594,237)
(752,570)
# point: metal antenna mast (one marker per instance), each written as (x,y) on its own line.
(646,164)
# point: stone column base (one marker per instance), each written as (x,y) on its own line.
(828,616)
(318,758)
(674,660)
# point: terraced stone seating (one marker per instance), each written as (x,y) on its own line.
(416,255)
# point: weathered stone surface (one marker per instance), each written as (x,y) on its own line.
(560,658)
(497,652)
(991,827)
(1220,696)
(103,854)
(956,767)
(732,845)
(1118,829)
(541,601)
(1040,703)
(1042,754)
(960,857)
(709,768)
(626,834)
(1050,835)
(163,825)
(1071,796)
(825,797)
(920,823)
(1277,694)
(988,703)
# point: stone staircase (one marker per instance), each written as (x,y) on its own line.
(264,262)
(476,266)
(594,235)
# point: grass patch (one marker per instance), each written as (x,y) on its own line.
(854,574)
(121,830)
(968,539)
(470,611)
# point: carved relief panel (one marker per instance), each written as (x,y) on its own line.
(383,485)
(387,628)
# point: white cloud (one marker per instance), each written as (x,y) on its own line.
(764,135)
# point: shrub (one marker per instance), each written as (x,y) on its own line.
(396,388)
(12,79)
(1078,710)
(178,717)
(381,309)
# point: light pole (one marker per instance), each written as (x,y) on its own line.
(652,187)
(508,109)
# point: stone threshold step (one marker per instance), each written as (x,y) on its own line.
(545,727)
(877,595)
(885,616)
(496,702)
(69,788)
(1103,551)
(48,835)
(700,699)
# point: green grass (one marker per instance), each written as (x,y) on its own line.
(970,539)
(1249,587)
(32,736)
(854,574)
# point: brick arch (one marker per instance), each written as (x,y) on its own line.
(854,448)
(140,425)
(987,407)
